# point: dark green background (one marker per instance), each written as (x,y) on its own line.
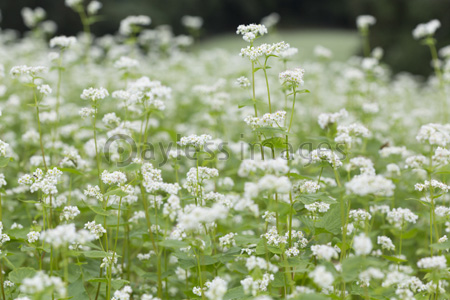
(395,19)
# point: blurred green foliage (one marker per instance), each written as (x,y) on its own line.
(395,19)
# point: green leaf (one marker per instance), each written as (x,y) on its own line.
(100,211)
(70,170)
(97,254)
(4,161)
(441,246)
(275,142)
(173,244)
(20,274)
(116,192)
(234,293)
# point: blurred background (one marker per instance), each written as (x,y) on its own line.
(307,22)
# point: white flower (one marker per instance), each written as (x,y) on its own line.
(362,244)
(385,242)
(363,21)
(433,262)
(322,277)
(33,236)
(94,94)
(193,22)
(294,77)
(426,29)
(252,31)
(132,23)
(63,41)
(44,89)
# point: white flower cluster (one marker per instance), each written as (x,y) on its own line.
(251,32)
(399,216)
(3,236)
(276,166)
(327,119)
(193,22)
(365,165)
(362,244)
(65,234)
(131,24)
(363,21)
(4,148)
(320,207)
(326,252)
(435,134)
(308,187)
(325,155)
(198,141)
(424,30)
(348,134)
(45,183)
(63,41)
(115,178)
(322,277)
(385,242)
(293,77)
(96,229)
(275,119)
(216,289)
(370,184)
(94,94)
(123,294)
(441,156)
(26,70)
(243,82)
(41,282)
(193,217)
(435,184)
(254,286)
(33,236)
(367,275)
(253,53)
(433,262)
(125,62)
(359,216)
(94,192)
(69,213)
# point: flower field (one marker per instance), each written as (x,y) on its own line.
(132,167)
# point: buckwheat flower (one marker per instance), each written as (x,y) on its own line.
(4,148)
(94,94)
(442,211)
(8,284)
(320,207)
(114,178)
(126,62)
(327,119)
(264,50)
(441,156)
(227,241)
(95,229)
(42,282)
(69,213)
(364,21)
(385,242)
(424,30)
(87,112)
(288,53)
(33,236)
(325,155)
(111,119)
(198,141)
(93,7)
(368,184)
(362,244)
(309,187)
(110,260)
(251,32)
(44,89)
(435,134)
(63,41)
(73,3)
(275,120)
(365,165)
(64,235)
(17,71)
(433,262)
(216,289)
(243,82)
(322,277)
(131,24)
(273,183)
(325,252)
(94,191)
(443,239)
(392,150)
(348,134)
(292,252)
(366,276)
(416,162)
(32,17)
(435,184)
(292,77)
(322,52)
(359,216)
(197,291)
(2,180)
(193,22)
(399,216)
(445,52)
(270,20)
(123,294)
